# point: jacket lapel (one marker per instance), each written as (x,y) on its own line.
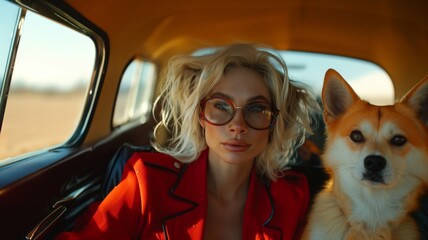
(190,192)
(189,195)
(259,211)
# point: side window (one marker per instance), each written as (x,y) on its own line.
(45,95)
(369,80)
(134,99)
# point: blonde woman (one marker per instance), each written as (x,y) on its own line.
(233,119)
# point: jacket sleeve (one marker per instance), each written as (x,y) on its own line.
(119,215)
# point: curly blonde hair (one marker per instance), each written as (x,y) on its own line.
(189,79)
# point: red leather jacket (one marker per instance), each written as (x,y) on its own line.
(161,198)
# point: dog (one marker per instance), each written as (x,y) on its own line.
(377,157)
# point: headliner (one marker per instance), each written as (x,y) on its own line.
(380,31)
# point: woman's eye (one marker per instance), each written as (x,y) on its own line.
(356,136)
(222,106)
(257,107)
(398,140)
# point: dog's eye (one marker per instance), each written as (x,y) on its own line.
(398,140)
(356,136)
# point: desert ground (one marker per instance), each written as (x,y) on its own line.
(37,120)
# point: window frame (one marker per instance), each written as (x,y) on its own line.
(10,62)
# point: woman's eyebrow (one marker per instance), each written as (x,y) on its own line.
(222,95)
(258,98)
(252,99)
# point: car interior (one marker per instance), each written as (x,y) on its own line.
(43,190)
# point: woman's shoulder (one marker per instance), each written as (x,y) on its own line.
(291,183)
(290,194)
(292,177)
(154,156)
(155,160)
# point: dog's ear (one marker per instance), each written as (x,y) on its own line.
(337,95)
(417,99)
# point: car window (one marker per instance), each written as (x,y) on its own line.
(369,80)
(134,99)
(48,88)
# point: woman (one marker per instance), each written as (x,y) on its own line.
(233,119)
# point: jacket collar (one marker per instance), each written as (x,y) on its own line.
(190,189)
(189,194)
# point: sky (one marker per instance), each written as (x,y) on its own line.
(48,50)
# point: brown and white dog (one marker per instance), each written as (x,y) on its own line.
(378,160)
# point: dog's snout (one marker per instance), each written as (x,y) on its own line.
(374,163)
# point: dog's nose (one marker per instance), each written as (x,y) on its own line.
(374,163)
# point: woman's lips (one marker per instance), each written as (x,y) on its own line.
(236,146)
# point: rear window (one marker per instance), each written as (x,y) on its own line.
(369,81)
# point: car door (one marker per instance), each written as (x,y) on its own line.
(49,172)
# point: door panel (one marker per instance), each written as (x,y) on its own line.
(26,200)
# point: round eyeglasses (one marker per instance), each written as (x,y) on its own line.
(218,111)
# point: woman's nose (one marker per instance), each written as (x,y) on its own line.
(238,124)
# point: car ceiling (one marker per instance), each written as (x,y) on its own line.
(393,34)
(161,28)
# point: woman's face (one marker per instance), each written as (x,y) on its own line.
(236,142)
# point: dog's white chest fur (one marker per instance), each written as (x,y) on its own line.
(376,211)
(362,218)
(374,208)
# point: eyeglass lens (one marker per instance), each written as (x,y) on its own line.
(257,115)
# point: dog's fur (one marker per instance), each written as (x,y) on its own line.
(378,160)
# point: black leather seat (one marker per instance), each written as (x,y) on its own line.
(421,216)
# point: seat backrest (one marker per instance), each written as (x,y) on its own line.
(421,216)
